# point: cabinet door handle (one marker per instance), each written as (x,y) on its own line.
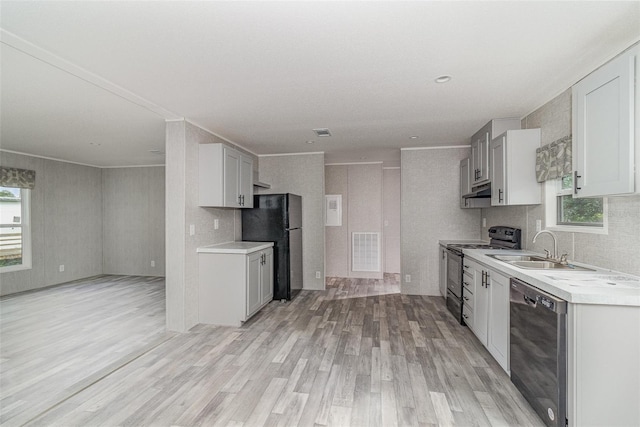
(465,283)
(500,192)
(466,298)
(575,182)
(239,200)
(465,266)
(486,279)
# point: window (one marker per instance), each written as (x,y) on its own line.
(564,213)
(15,238)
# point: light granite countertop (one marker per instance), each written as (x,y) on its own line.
(600,286)
(235,248)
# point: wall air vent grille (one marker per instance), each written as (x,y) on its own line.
(365,251)
(322,132)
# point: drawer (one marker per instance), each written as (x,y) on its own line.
(467,284)
(467,299)
(467,315)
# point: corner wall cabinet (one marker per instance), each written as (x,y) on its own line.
(225,177)
(513,175)
(480,141)
(235,280)
(605,129)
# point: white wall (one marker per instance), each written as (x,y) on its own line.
(619,250)
(430,211)
(91,220)
(182,210)
(391,219)
(302,175)
(361,188)
(66,223)
(133,221)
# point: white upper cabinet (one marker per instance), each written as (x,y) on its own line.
(465,177)
(225,177)
(465,188)
(480,141)
(605,129)
(513,174)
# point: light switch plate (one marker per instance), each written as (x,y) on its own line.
(538,224)
(216,224)
(192,230)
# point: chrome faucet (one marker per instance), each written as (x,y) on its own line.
(555,242)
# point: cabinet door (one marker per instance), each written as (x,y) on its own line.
(498,337)
(498,172)
(231,178)
(480,306)
(603,129)
(266,277)
(483,158)
(465,177)
(254,268)
(443,272)
(480,157)
(246,181)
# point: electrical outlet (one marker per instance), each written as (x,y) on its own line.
(407,278)
(61,268)
(192,230)
(538,224)
(318,275)
(216,224)
(153,263)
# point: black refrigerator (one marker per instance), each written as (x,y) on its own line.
(278,218)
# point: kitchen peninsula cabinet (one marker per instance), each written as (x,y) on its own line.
(225,177)
(480,141)
(606,130)
(513,174)
(235,280)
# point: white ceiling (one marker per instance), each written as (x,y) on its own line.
(264,74)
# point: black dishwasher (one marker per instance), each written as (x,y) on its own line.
(538,350)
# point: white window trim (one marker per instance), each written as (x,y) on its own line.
(25,195)
(551,213)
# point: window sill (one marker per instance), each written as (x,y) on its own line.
(579,229)
(12,268)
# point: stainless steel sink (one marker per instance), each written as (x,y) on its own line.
(534,262)
(512,258)
(548,265)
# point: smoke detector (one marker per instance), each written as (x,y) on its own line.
(322,132)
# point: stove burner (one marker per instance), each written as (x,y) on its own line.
(473,246)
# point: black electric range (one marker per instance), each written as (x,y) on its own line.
(502,237)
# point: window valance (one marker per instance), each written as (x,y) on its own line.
(554,160)
(18,178)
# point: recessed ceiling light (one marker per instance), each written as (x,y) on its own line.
(413,137)
(310,142)
(322,132)
(443,79)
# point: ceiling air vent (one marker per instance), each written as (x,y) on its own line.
(322,132)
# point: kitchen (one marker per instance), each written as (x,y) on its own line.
(304,174)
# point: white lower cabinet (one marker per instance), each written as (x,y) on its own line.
(234,286)
(491,311)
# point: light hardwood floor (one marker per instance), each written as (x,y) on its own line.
(58,340)
(357,354)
